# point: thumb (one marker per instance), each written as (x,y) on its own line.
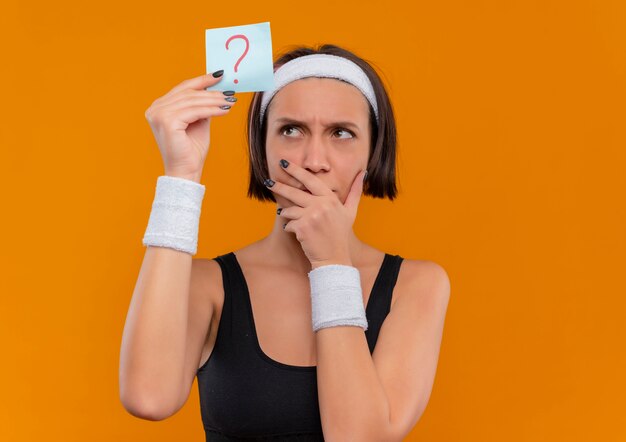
(354,196)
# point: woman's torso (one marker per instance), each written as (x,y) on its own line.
(251,377)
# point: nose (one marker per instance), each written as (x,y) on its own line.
(316,155)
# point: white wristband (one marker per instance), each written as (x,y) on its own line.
(175,214)
(336,297)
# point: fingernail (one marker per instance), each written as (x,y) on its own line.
(365,176)
(225,107)
(218,73)
(284,225)
(229,92)
(268,182)
(231,99)
(284,163)
(280,209)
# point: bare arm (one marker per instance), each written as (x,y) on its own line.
(169,313)
(163,335)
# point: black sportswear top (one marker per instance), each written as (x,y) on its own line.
(246,395)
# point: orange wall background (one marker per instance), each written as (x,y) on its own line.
(511,120)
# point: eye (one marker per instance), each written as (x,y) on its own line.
(346,131)
(282,129)
(290,127)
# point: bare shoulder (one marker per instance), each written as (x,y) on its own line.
(426,281)
(205,267)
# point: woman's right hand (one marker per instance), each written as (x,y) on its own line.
(180,121)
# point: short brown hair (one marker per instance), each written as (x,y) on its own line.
(381,176)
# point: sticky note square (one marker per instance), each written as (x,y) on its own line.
(244,53)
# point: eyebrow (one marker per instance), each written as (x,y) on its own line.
(332,124)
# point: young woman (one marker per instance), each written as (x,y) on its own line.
(308,333)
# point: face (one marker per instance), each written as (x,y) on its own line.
(321,124)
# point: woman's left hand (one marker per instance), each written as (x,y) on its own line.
(321,222)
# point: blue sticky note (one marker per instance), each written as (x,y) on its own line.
(245,54)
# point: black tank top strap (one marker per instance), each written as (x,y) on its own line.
(235,330)
(379,306)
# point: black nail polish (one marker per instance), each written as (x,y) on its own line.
(365,176)
(229,92)
(280,209)
(284,225)
(225,107)
(231,99)
(284,163)
(218,73)
(268,182)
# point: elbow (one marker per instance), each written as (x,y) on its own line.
(143,407)
(146,400)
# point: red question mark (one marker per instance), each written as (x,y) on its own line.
(244,52)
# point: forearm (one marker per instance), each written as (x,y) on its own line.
(153,342)
(353,403)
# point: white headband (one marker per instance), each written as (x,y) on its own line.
(321,65)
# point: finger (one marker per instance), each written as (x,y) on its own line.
(289,226)
(189,93)
(293,194)
(198,83)
(192,114)
(292,212)
(198,100)
(310,181)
